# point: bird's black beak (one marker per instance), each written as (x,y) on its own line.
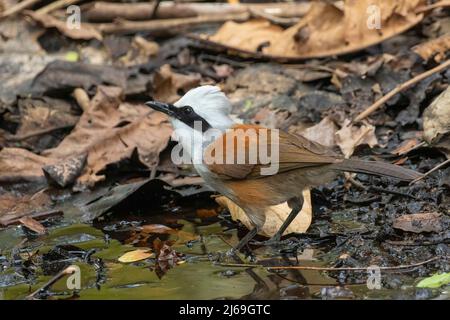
(166,108)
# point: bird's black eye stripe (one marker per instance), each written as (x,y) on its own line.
(188,109)
(190,117)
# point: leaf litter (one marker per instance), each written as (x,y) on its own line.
(77,144)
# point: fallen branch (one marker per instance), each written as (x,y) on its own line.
(400,267)
(440,4)
(123,26)
(56,5)
(402,87)
(106,11)
(431,171)
(67,271)
(18,7)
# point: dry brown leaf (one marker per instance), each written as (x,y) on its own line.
(13,207)
(436,123)
(435,48)
(182,236)
(136,255)
(406,146)
(275,216)
(325,30)
(85,32)
(350,136)
(32,224)
(167,84)
(324,132)
(21,165)
(111,131)
(419,222)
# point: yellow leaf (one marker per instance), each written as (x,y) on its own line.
(275,216)
(136,255)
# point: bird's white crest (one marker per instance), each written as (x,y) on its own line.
(211,104)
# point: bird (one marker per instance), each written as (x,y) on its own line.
(299,162)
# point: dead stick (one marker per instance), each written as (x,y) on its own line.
(165,24)
(56,5)
(18,7)
(67,271)
(329,268)
(380,102)
(436,5)
(431,171)
(82,98)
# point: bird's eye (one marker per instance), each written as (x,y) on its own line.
(188,110)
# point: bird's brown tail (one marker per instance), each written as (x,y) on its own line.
(377,168)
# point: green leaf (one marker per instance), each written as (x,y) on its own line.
(435,281)
(72,56)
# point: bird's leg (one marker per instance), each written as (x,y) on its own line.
(296,204)
(249,236)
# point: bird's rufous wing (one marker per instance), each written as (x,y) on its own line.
(290,152)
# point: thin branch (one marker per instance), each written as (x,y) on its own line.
(329,268)
(440,4)
(67,271)
(124,26)
(56,5)
(431,171)
(402,87)
(18,7)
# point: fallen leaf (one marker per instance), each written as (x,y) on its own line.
(275,216)
(66,172)
(22,165)
(32,224)
(157,228)
(405,146)
(167,84)
(419,222)
(111,131)
(327,29)
(435,281)
(182,236)
(85,31)
(324,132)
(351,136)
(136,255)
(166,256)
(436,119)
(434,48)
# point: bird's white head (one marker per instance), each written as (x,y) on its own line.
(205,105)
(199,110)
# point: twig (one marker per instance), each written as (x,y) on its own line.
(431,171)
(444,3)
(155,9)
(56,5)
(124,26)
(18,7)
(284,22)
(380,102)
(82,98)
(329,268)
(100,11)
(67,271)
